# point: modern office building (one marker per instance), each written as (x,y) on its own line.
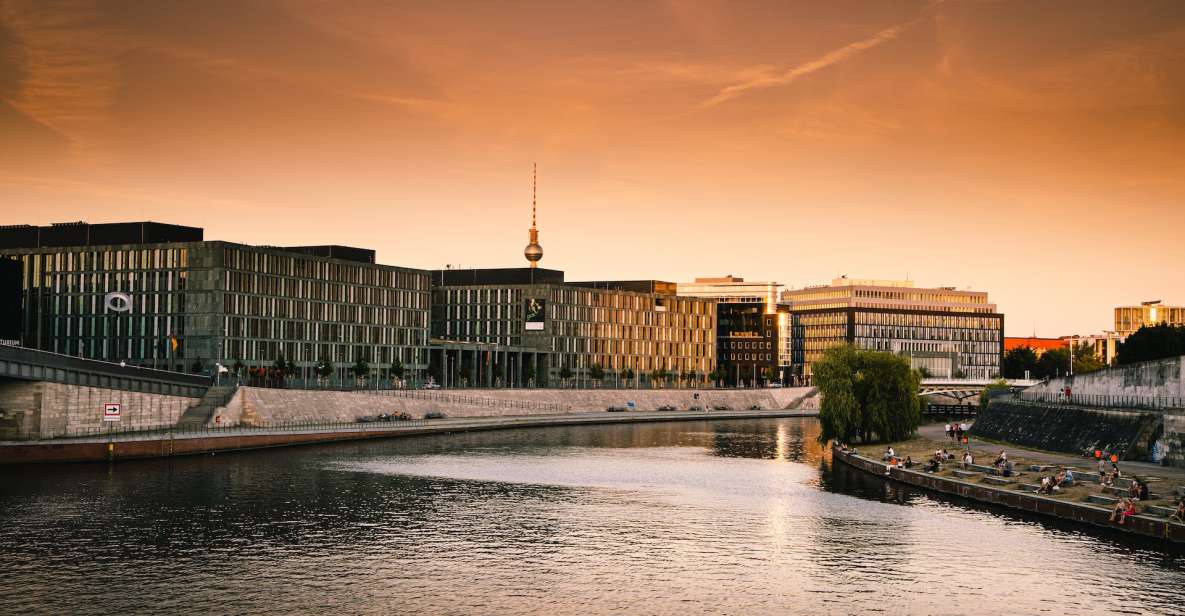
(528,326)
(1128,319)
(948,332)
(159,295)
(752,330)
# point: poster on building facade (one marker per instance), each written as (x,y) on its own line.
(535,313)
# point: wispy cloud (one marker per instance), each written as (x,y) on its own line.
(71,72)
(834,56)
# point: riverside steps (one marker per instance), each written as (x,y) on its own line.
(1150,521)
(161,444)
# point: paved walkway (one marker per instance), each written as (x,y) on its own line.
(982,449)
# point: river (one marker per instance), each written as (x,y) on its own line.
(725,517)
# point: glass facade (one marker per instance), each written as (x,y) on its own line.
(1129,319)
(216,302)
(939,327)
(583,326)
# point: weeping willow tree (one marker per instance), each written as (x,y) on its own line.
(868,396)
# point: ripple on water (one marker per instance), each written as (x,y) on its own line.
(704,518)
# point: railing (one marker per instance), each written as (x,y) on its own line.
(455,398)
(1102,401)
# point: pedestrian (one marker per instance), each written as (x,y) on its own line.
(947,430)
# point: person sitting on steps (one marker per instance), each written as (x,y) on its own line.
(1124,509)
(1179,515)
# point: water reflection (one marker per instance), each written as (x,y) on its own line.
(744,517)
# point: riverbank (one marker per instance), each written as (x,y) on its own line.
(1019,493)
(222,440)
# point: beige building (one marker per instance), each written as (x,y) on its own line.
(1128,319)
(950,333)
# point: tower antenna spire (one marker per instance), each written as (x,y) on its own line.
(533,251)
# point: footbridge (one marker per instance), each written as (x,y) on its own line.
(964,389)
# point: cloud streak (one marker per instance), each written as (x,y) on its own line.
(834,56)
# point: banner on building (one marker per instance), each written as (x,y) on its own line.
(535,313)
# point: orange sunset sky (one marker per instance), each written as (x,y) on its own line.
(1035,150)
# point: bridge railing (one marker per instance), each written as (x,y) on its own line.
(1156,403)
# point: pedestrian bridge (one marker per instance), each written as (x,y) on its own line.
(963,389)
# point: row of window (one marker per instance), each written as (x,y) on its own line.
(320,269)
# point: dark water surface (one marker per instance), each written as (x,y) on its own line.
(729,517)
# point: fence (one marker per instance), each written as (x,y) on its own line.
(115,434)
(1156,403)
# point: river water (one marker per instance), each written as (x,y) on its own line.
(727,517)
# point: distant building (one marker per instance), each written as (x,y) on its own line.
(1128,319)
(752,331)
(546,324)
(1106,345)
(948,332)
(1039,345)
(161,296)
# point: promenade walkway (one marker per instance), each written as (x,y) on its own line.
(983,449)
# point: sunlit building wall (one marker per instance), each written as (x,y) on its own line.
(951,333)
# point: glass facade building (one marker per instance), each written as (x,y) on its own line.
(949,332)
(753,336)
(193,304)
(1129,319)
(614,325)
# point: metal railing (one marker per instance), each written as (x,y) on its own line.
(1156,403)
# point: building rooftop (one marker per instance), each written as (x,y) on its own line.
(81,233)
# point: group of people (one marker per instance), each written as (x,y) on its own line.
(1051,484)
(955,431)
(1003,464)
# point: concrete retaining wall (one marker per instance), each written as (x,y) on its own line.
(1067,428)
(254,406)
(1163,378)
(39,409)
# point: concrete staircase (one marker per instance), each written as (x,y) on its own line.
(196,416)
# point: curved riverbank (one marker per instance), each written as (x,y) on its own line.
(1142,524)
(219,440)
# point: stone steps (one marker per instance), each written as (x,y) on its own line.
(1099,499)
(998,481)
(1163,512)
(196,416)
(966,474)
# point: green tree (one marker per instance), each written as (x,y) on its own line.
(655,377)
(924,372)
(1151,343)
(237,367)
(1053,363)
(565,374)
(596,373)
(197,367)
(1019,361)
(397,369)
(992,390)
(693,377)
(361,368)
(528,373)
(323,369)
(1085,359)
(867,395)
(627,375)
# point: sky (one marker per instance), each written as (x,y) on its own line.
(1035,150)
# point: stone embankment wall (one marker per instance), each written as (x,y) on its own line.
(1067,428)
(1163,378)
(254,406)
(46,410)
